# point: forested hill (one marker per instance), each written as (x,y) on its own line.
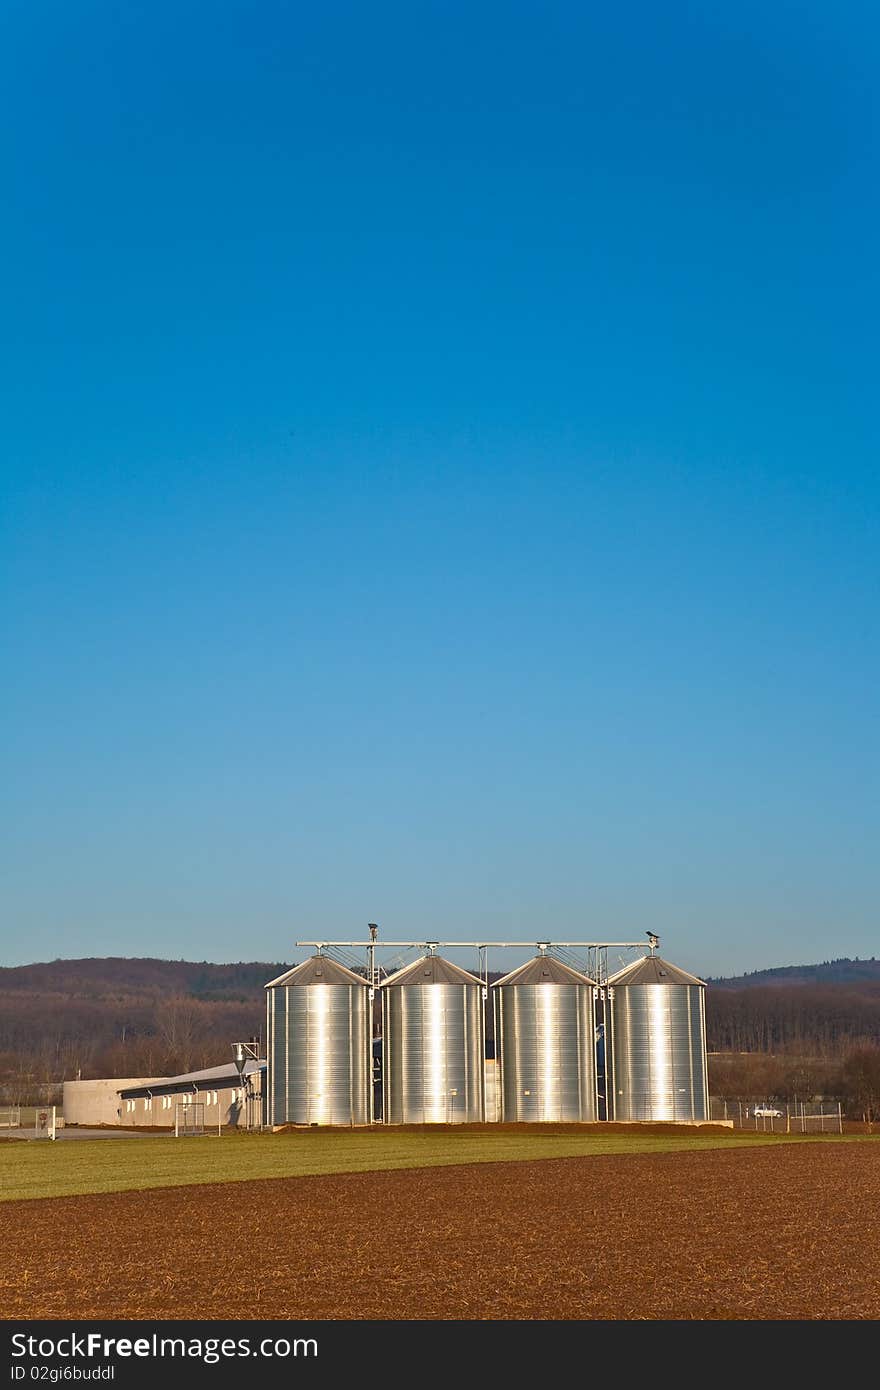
(94,976)
(824,1009)
(843,971)
(115,1016)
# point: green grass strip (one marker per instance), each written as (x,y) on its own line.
(40,1168)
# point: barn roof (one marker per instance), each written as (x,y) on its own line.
(208,1079)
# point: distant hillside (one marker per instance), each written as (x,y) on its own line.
(116,1016)
(103,976)
(830,972)
(148,977)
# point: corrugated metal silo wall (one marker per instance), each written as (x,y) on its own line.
(655,1041)
(545,1037)
(433,1044)
(320,1066)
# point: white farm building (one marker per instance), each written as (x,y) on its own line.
(151,1102)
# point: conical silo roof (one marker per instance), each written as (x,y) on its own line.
(431,970)
(544,970)
(651,970)
(319,970)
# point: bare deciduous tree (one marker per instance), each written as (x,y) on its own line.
(860,1076)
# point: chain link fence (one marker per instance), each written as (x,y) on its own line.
(779,1117)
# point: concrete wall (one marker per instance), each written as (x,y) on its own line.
(97,1102)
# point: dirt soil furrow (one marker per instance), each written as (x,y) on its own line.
(791,1232)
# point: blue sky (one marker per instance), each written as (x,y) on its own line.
(440,478)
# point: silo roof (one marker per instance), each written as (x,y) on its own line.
(431,970)
(319,970)
(651,970)
(544,970)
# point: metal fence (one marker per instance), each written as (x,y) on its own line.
(189,1119)
(40,1121)
(780,1117)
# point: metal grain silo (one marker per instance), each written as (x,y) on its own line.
(545,1042)
(655,1039)
(319,1059)
(432,1044)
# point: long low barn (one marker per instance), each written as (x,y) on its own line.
(152,1102)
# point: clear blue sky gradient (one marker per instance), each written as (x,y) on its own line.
(440,477)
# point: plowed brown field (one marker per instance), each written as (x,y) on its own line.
(788,1232)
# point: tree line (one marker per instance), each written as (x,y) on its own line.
(823,1021)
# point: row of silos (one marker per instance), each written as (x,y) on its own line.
(433,1044)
